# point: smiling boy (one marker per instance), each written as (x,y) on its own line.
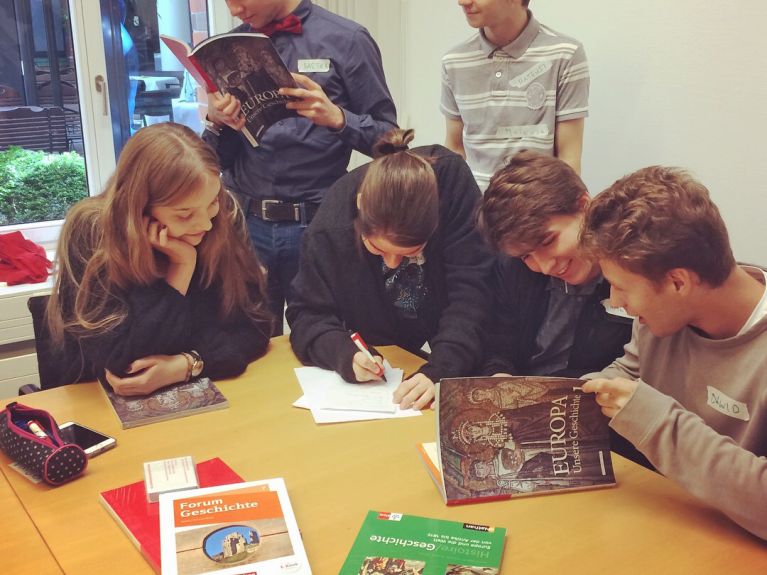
(691,389)
(550,318)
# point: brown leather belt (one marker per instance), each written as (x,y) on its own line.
(279,211)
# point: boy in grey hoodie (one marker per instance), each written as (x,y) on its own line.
(691,388)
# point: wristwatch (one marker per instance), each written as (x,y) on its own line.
(197,363)
(211,127)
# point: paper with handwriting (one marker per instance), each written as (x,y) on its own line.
(333,400)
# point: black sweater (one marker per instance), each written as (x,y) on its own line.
(162,321)
(339,287)
(521,301)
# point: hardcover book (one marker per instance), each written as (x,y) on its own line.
(233,529)
(245,65)
(499,437)
(392,543)
(140,520)
(178,400)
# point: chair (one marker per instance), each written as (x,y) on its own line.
(34,128)
(170,79)
(56,367)
(74,130)
(154,106)
(9,96)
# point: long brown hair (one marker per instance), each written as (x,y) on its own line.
(104,251)
(398,196)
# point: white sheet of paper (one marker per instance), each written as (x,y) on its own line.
(372,396)
(322,387)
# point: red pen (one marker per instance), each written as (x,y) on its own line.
(362,346)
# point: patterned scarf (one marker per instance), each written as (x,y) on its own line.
(405,285)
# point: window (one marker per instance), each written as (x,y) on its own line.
(149,85)
(42,157)
(67,106)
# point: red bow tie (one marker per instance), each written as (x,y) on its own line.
(290,24)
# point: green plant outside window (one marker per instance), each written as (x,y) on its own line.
(36,186)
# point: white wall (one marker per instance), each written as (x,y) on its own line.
(678,83)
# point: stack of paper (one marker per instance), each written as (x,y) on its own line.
(333,400)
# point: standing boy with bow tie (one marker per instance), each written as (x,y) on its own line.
(344,105)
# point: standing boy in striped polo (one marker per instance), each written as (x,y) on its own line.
(515,84)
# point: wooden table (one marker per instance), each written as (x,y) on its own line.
(335,473)
(22,548)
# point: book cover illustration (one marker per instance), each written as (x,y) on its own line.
(241,528)
(178,400)
(504,436)
(397,544)
(140,519)
(245,65)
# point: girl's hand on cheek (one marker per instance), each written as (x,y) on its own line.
(178,251)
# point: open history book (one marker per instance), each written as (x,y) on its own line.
(499,437)
(245,65)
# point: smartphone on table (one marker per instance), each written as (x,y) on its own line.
(92,441)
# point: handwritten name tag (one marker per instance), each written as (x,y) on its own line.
(316,65)
(530,75)
(534,131)
(727,405)
(619,311)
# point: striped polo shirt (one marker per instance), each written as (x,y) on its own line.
(510,97)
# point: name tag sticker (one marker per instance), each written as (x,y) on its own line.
(316,65)
(526,77)
(534,131)
(619,311)
(727,405)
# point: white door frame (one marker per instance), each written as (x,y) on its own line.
(94,107)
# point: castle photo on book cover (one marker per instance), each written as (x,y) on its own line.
(242,528)
(520,435)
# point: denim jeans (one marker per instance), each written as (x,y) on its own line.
(277,245)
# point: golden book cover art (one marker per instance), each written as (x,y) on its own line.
(503,436)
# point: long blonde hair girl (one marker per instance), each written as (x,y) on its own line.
(104,249)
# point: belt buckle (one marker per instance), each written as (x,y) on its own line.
(264,208)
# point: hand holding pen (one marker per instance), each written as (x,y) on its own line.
(366,367)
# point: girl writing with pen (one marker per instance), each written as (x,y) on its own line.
(156,280)
(393,255)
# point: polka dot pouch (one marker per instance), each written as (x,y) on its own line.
(31,438)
